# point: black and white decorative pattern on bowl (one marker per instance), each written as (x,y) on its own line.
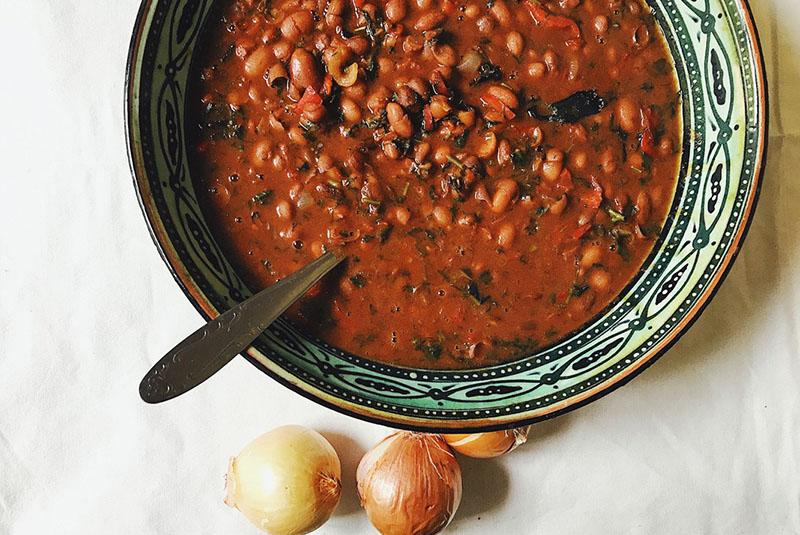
(721,77)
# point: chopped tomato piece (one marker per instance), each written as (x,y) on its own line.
(580,231)
(565,182)
(544,18)
(309,101)
(327,85)
(594,198)
(497,104)
(427,118)
(648,139)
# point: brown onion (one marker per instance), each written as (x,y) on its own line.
(488,445)
(410,483)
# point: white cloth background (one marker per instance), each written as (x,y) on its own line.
(705,441)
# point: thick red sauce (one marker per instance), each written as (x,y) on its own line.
(496,173)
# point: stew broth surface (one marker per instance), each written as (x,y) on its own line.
(496,172)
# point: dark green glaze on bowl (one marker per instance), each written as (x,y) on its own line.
(718,58)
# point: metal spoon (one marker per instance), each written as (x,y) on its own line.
(204,352)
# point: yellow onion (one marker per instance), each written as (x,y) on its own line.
(409,484)
(488,445)
(286,482)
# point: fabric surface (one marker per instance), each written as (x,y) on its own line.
(705,441)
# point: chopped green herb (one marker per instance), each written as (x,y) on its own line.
(522,345)
(461,141)
(263,197)
(358,280)
(520,158)
(431,348)
(384,234)
(487,71)
(615,216)
(578,290)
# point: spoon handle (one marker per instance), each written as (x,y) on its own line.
(204,352)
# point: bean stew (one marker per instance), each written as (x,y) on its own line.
(496,171)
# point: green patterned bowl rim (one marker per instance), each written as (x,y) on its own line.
(717,54)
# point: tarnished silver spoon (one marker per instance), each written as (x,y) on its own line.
(204,352)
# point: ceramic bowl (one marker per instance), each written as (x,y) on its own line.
(720,70)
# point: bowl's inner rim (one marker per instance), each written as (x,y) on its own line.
(206,304)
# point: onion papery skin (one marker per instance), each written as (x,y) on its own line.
(488,445)
(410,484)
(286,482)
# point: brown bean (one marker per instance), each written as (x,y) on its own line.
(503,152)
(262,152)
(472,11)
(282,50)
(295,133)
(357,91)
(505,235)
(485,25)
(442,216)
(378,99)
(317,248)
(600,24)
(629,115)
(591,255)
(558,207)
(395,10)
(467,118)
(324,162)
(390,150)
(402,215)
(398,120)
(303,69)
(607,162)
(335,7)
(351,111)
(256,63)
(441,154)
(506,190)
(413,43)
(579,160)
(297,24)
(665,147)
(537,136)
(420,87)
(599,280)
(537,70)
(405,96)
(501,12)
(444,55)
(488,145)
(283,209)
(553,165)
(504,95)
(515,43)
(439,107)
(358,45)
(429,21)
(421,151)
